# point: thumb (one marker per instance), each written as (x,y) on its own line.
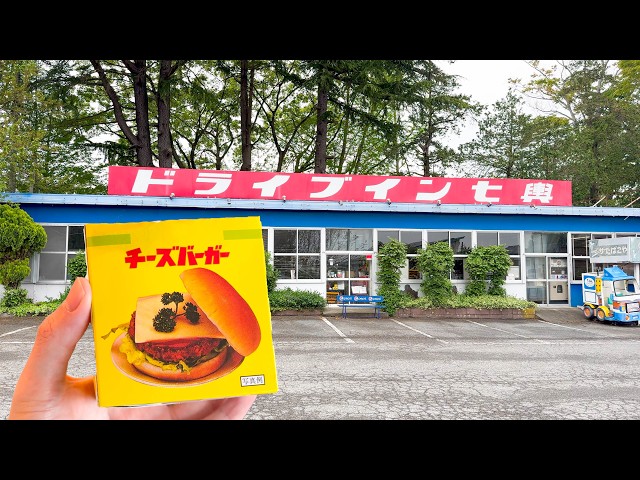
(58,335)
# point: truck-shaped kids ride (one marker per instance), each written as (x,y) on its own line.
(611,296)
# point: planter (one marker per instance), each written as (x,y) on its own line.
(449,313)
(297,313)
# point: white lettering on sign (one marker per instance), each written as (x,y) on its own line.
(381,190)
(538,191)
(334,184)
(221,182)
(268,188)
(144,180)
(432,196)
(184,182)
(481,188)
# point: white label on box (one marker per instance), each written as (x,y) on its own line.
(252,380)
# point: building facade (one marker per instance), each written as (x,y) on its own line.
(330,247)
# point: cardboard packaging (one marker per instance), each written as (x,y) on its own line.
(167,297)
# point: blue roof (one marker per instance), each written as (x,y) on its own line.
(615,273)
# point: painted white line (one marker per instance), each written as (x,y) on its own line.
(508,332)
(417,331)
(589,331)
(16,331)
(346,339)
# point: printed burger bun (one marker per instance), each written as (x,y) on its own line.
(225,308)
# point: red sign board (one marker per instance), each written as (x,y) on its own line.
(179,182)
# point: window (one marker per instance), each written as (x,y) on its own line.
(348,274)
(511,241)
(461,245)
(63,243)
(545,242)
(296,254)
(487,239)
(580,255)
(350,239)
(412,239)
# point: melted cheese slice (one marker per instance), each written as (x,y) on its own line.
(148,307)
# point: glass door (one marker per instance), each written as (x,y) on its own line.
(558,280)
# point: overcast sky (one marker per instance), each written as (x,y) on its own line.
(486,81)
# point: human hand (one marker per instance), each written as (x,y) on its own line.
(45,391)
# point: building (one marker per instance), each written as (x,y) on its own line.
(330,246)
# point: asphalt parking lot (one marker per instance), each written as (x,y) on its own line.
(557,366)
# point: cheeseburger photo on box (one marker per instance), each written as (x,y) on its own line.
(180,310)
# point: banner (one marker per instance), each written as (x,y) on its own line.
(172,182)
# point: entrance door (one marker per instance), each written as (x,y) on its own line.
(547,280)
(558,280)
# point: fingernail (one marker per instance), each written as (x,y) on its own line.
(75,296)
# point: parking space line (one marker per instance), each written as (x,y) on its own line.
(510,333)
(16,331)
(588,331)
(346,339)
(417,331)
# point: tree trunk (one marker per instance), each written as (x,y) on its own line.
(245,115)
(321,132)
(165,147)
(141,96)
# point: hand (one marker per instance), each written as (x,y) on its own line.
(45,391)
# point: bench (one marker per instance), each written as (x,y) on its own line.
(361,301)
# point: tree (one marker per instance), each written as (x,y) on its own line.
(138,72)
(20,237)
(434,114)
(502,148)
(597,99)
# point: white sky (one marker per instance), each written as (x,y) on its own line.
(486,81)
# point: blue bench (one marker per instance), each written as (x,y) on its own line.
(361,301)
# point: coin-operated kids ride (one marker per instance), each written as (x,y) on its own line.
(611,296)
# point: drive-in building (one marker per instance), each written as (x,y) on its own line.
(324,237)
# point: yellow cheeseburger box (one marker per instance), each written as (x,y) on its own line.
(180,310)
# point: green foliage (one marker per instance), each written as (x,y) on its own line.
(77,266)
(12,272)
(14,297)
(435,263)
(487,268)
(272,273)
(481,302)
(20,236)
(289,299)
(392,256)
(28,309)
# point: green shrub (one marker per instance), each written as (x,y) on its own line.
(272,273)
(14,297)
(435,263)
(12,272)
(488,267)
(392,257)
(20,237)
(481,302)
(29,309)
(289,299)
(77,266)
